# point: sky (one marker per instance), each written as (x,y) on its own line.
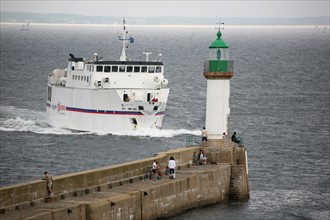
(185,8)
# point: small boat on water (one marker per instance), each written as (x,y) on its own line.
(106,96)
(25,26)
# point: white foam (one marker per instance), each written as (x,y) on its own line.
(25,120)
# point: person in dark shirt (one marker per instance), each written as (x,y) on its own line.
(234,139)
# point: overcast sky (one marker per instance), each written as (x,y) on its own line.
(256,9)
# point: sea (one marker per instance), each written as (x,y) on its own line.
(280,105)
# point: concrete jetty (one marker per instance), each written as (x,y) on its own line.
(120,191)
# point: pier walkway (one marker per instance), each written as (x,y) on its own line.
(67,207)
(120,191)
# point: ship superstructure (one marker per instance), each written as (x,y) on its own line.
(106,96)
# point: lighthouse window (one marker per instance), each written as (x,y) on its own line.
(107,69)
(99,68)
(129,69)
(158,69)
(122,69)
(136,69)
(218,54)
(114,68)
(151,69)
(144,69)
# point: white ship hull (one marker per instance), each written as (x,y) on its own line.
(104,110)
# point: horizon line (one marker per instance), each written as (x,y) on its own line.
(162,25)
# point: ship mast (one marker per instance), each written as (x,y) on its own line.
(125,42)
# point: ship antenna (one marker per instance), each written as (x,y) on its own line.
(125,41)
(147,55)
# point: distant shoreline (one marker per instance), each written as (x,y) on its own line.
(165,25)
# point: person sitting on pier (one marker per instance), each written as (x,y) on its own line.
(235,139)
(195,159)
(203,158)
(159,171)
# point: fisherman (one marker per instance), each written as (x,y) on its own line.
(49,186)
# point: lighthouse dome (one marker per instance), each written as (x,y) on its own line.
(218,43)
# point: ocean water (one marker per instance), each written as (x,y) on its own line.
(280,104)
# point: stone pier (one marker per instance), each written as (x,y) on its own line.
(120,191)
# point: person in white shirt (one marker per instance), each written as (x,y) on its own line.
(204,137)
(203,158)
(171,167)
(154,170)
(224,137)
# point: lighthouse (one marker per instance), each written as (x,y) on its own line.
(218,70)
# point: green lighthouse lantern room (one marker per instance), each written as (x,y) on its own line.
(219,55)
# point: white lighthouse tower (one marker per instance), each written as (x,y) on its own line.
(218,70)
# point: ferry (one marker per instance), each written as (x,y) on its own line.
(95,95)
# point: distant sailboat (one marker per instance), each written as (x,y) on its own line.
(25,26)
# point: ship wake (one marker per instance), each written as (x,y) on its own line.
(13,119)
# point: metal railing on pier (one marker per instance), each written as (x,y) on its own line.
(193,141)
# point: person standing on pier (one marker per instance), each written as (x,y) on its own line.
(154,170)
(204,137)
(172,166)
(49,180)
(224,137)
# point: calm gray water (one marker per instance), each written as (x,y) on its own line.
(280,104)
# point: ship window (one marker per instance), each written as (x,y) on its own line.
(158,69)
(87,78)
(125,98)
(49,93)
(107,69)
(144,69)
(155,108)
(129,69)
(121,68)
(99,68)
(114,69)
(141,108)
(84,78)
(136,69)
(72,77)
(151,69)
(78,77)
